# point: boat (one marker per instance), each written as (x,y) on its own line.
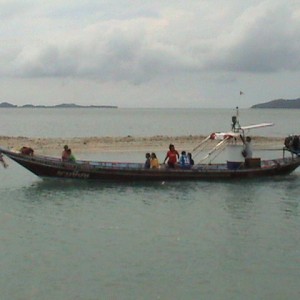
(232,143)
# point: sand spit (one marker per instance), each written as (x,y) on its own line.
(54,146)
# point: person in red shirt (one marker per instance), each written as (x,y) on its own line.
(172,156)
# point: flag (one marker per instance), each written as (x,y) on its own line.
(241,93)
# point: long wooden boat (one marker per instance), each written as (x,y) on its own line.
(235,167)
(44,166)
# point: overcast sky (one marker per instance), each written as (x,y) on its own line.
(149,53)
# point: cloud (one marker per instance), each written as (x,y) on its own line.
(114,50)
(13,8)
(265,38)
(112,43)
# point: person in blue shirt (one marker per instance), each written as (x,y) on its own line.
(184,161)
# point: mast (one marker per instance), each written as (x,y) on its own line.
(235,126)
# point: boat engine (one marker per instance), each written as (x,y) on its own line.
(292,143)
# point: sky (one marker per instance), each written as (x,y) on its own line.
(166,53)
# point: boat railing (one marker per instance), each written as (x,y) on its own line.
(84,164)
(211,150)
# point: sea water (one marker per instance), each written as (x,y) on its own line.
(76,122)
(68,239)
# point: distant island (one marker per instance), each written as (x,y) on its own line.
(63,105)
(279,103)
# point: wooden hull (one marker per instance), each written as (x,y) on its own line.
(53,167)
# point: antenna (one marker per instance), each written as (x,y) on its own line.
(235,126)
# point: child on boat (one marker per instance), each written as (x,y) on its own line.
(154,161)
(147,164)
(184,160)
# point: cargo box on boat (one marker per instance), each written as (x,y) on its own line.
(252,163)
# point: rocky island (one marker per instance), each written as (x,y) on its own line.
(279,103)
(63,105)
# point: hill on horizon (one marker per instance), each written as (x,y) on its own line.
(63,105)
(279,103)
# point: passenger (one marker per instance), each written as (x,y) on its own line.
(3,162)
(27,151)
(71,157)
(65,155)
(147,164)
(154,161)
(184,161)
(247,152)
(172,156)
(191,159)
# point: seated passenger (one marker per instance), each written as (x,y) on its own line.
(147,164)
(154,161)
(65,155)
(71,157)
(184,161)
(191,159)
(27,151)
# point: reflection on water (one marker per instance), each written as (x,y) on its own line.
(239,201)
(70,185)
(289,198)
(234,194)
(149,240)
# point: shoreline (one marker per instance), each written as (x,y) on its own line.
(81,145)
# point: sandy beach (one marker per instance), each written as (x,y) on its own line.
(54,146)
